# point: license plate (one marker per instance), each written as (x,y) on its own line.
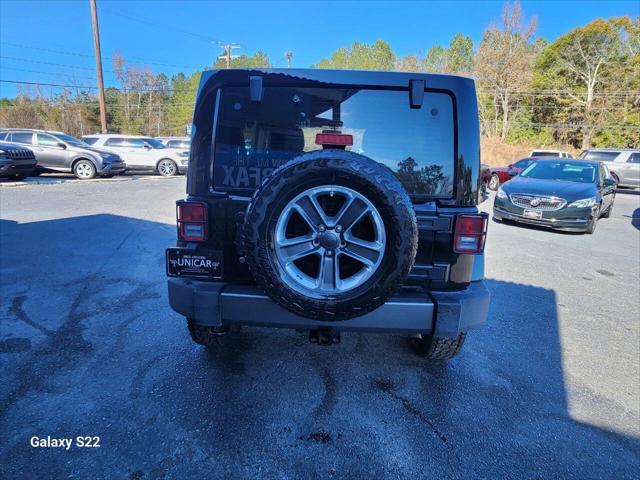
(532,214)
(187,263)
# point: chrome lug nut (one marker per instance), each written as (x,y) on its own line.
(338,228)
(322,228)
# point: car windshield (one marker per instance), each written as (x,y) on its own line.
(580,172)
(73,141)
(154,143)
(254,138)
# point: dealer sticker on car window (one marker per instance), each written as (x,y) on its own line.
(182,262)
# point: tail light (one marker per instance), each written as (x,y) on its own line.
(470,233)
(193,221)
(334,139)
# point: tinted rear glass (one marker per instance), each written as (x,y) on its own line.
(114,142)
(22,137)
(600,156)
(545,154)
(254,138)
(178,144)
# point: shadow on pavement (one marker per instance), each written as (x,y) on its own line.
(91,347)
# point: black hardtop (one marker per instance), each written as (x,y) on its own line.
(461,89)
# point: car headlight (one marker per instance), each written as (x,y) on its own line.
(501,195)
(584,203)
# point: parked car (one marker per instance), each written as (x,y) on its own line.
(623,163)
(58,152)
(358,218)
(550,153)
(183,143)
(500,175)
(485,178)
(143,153)
(16,162)
(560,194)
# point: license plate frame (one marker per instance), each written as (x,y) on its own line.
(533,214)
(183,262)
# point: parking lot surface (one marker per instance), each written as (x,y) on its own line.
(549,388)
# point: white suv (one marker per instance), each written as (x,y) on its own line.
(143,153)
(550,153)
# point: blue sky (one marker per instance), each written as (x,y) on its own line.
(51,41)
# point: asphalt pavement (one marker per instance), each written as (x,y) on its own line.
(548,388)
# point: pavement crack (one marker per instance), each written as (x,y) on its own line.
(388,387)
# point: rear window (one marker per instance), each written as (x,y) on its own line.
(542,153)
(178,144)
(254,138)
(114,142)
(600,156)
(22,137)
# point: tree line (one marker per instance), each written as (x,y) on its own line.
(582,89)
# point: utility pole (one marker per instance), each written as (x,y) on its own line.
(288,54)
(227,53)
(96,44)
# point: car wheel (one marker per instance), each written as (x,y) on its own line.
(494,183)
(167,168)
(84,170)
(591,228)
(330,235)
(437,348)
(607,214)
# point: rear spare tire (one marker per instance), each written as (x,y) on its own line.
(330,235)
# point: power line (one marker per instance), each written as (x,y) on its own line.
(78,54)
(163,26)
(86,87)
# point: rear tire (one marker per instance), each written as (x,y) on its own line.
(376,190)
(437,348)
(494,183)
(204,335)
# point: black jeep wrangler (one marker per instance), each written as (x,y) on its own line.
(326,201)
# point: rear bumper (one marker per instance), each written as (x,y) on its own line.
(220,304)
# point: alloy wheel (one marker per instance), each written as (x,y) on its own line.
(328,240)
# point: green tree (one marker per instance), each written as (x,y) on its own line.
(503,66)
(360,56)
(591,74)
(257,60)
(455,59)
